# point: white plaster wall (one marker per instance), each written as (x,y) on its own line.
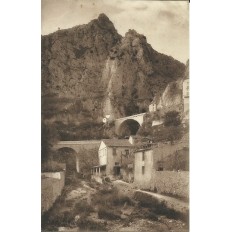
(152,107)
(102,154)
(55,175)
(156,123)
(140,179)
(131,140)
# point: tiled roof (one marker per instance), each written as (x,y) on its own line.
(117,142)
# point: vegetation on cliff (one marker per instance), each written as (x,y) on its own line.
(170,130)
(90,70)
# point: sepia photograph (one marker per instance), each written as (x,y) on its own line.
(115,115)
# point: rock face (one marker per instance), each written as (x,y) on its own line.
(99,72)
(172,97)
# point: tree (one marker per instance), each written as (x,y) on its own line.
(88,159)
(172,118)
(49,136)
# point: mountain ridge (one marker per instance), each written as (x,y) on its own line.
(107,74)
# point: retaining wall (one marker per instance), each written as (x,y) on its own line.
(52,184)
(167,182)
(171,182)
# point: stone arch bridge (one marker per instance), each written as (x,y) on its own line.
(76,146)
(133,122)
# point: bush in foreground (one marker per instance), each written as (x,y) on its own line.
(107,213)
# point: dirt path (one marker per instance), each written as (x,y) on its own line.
(171,202)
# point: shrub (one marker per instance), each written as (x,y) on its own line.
(61,219)
(87,159)
(49,228)
(90,225)
(111,197)
(82,207)
(69,203)
(177,161)
(106,213)
(172,118)
(121,200)
(159,207)
(145,200)
(49,136)
(151,215)
(171,133)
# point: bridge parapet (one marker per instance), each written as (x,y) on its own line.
(131,117)
(76,146)
(137,117)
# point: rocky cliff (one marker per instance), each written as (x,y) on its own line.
(172,96)
(90,71)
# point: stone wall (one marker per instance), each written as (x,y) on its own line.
(167,182)
(147,176)
(52,184)
(171,182)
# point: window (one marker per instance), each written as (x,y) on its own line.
(143,156)
(160,166)
(114,151)
(116,170)
(143,170)
(127,152)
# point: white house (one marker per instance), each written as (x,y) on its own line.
(112,154)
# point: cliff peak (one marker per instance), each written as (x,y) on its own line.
(133,35)
(104,22)
(103,17)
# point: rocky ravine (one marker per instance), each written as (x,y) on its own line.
(91,68)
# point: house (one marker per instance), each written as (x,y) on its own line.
(143,167)
(152,107)
(114,158)
(163,167)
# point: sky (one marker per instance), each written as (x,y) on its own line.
(164,23)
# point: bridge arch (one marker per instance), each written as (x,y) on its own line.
(69,156)
(128,127)
(75,147)
(133,122)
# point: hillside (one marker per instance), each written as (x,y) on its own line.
(90,70)
(172,96)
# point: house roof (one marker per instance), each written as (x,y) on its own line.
(117,142)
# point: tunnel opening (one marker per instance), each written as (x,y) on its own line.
(128,127)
